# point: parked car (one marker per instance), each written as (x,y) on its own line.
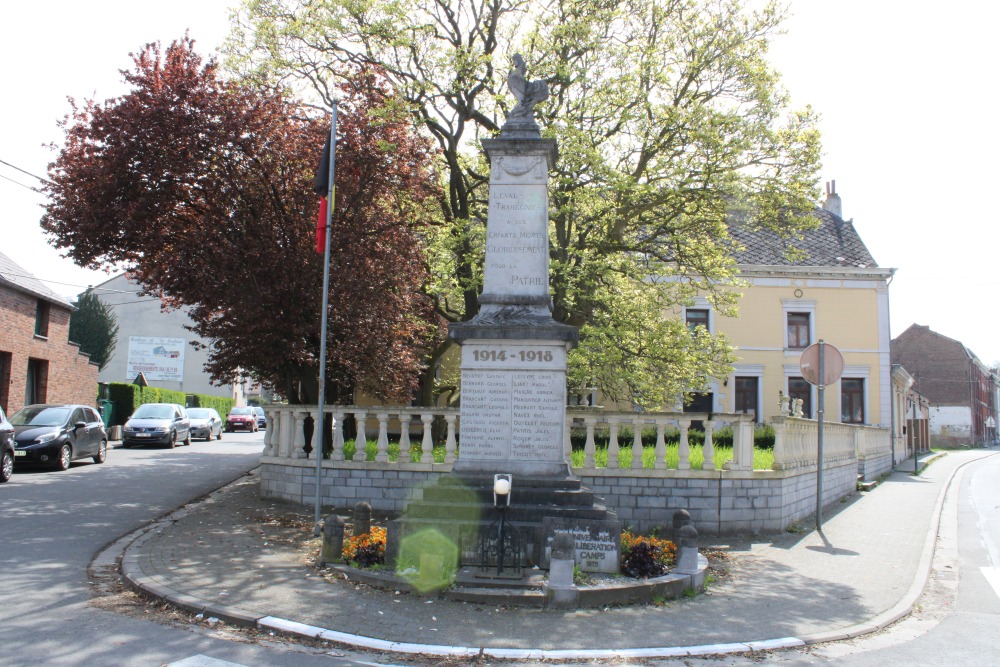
(205,423)
(57,434)
(157,424)
(261,416)
(6,448)
(241,419)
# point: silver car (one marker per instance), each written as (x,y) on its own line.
(157,424)
(205,423)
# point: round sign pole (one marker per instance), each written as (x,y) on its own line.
(821,364)
(819,438)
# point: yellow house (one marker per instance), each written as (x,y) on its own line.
(835,292)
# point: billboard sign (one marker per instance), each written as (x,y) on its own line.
(157,358)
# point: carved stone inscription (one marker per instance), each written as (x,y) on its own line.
(517,246)
(513,402)
(597,542)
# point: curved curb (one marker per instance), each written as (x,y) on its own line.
(137,579)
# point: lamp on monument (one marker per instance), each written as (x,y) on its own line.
(501,490)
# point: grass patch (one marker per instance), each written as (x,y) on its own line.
(763,459)
(371,449)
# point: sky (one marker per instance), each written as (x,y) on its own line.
(907,95)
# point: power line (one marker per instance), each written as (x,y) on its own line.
(43,180)
(56,282)
(7,178)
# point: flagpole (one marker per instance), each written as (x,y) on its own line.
(319,426)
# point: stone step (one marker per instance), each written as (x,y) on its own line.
(520,495)
(465,512)
(496,596)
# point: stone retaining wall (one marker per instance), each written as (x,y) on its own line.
(720,502)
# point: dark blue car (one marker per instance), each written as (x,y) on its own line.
(6,448)
(54,435)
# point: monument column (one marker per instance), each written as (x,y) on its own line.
(513,369)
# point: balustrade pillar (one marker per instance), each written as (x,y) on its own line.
(361,444)
(660,462)
(708,448)
(299,438)
(404,438)
(636,444)
(449,444)
(338,436)
(269,435)
(683,449)
(613,447)
(427,441)
(590,447)
(382,444)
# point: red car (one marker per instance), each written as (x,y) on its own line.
(241,419)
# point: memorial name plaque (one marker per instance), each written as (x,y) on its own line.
(513,401)
(597,542)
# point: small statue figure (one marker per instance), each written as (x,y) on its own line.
(782,403)
(528,93)
(797,409)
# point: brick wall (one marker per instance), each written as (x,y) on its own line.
(720,503)
(939,365)
(71,378)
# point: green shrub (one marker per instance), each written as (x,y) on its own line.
(126,397)
(221,404)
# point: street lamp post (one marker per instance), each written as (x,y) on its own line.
(501,500)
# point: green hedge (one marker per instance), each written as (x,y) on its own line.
(127,397)
(221,405)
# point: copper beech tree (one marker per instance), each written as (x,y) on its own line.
(201,188)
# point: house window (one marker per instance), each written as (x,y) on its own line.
(799,388)
(798,331)
(747,395)
(42,319)
(5,363)
(36,384)
(696,317)
(852,400)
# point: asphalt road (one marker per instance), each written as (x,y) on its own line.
(53,523)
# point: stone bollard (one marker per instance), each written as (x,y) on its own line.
(687,550)
(681,518)
(333,541)
(362,519)
(561,593)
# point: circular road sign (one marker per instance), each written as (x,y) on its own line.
(833,364)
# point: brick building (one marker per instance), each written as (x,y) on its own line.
(960,388)
(38,364)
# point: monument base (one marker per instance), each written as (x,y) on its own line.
(460,508)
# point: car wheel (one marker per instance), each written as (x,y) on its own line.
(187,440)
(6,466)
(65,455)
(125,445)
(102,452)
(218,437)
(173,439)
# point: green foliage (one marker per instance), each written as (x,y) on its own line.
(95,327)
(127,397)
(763,459)
(671,124)
(221,404)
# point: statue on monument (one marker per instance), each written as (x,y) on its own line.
(528,94)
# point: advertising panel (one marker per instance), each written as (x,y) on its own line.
(157,358)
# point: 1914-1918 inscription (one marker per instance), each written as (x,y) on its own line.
(513,401)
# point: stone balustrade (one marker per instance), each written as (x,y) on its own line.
(286,428)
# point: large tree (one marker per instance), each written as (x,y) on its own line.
(671,126)
(202,189)
(95,327)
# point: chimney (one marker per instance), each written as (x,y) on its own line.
(832,203)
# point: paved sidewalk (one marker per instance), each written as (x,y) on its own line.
(241,559)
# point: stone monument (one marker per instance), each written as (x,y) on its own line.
(513,401)
(513,373)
